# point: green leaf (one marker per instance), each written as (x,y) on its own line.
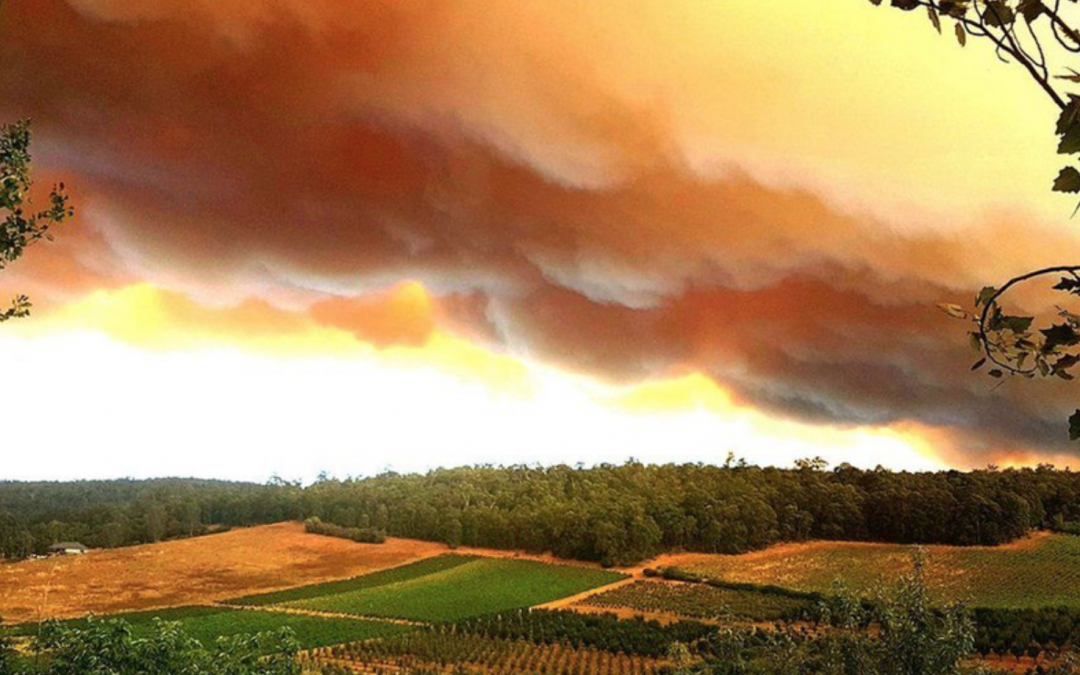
(979,364)
(985,295)
(1074,426)
(998,14)
(1066,362)
(955,311)
(1067,284)
(961,34)
(1059,335)
(906,5)
(1068,180)
(1069,116)
(1016,324)
(996,372)
(1031,9)
(954,8)
(934,19)
(1070,141)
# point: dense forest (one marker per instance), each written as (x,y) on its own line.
(614,514)
(108,514)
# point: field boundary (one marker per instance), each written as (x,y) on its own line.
(299,611)
(376,578)
(564,603)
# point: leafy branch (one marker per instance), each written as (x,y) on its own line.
(21,226)
(1020,31)
(1010,345)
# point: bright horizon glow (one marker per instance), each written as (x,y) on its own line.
(212,412)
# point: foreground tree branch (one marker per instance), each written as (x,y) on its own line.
(1041,38)
(20,225)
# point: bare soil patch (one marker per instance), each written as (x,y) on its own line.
(195,571)
(664,618)
(564,603)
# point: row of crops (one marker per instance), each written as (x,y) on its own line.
(602,631)
(701,602)
(447,652)
(446,588)
(1026,631)
(385,577)
(1039,572)
(478,620)
(437,591)
(472,614)
(535,642)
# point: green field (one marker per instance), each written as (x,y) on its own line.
(1040,572)
(700,601)
(473,587)
(380,578)
(136,619)
(209,623)
(444,652)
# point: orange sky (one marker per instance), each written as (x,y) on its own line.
(457,231)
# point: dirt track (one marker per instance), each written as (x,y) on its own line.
(565,603)
(191,571)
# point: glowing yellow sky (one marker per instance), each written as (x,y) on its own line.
(171,385)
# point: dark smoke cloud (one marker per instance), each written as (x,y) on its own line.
(313,154)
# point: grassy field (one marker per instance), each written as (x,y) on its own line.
(699,601)
(136,619)
(1037,572)
(197,571)
(472,587)
(209,623)
(381,578)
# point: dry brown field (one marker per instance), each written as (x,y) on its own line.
(195,571)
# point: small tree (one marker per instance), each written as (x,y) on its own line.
(680,659)
(918,638)
(847,649)
(20,225)
(908,634)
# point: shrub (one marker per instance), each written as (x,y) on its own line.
(363,535)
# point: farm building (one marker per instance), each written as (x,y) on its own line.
(68,548)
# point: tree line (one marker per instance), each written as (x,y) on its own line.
(110,514)
(615,514)
(627,513)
